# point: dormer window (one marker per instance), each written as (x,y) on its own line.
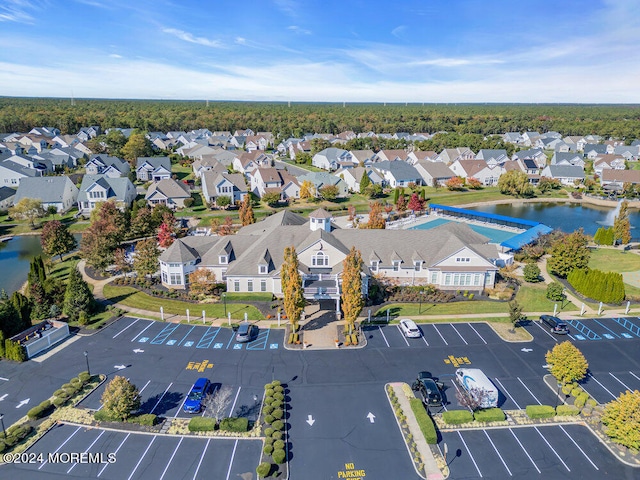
(416,265)
(224,259)
(262,269)
(396,265)
(374,265)
(320,259)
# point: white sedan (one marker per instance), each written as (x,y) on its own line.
(409,328)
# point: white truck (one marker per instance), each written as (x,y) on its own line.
(478,386)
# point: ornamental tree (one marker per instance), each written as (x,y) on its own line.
(621,418)
(375,217)
(246,211)
(145,261)
(307,189)
(78,297)
(120,398)
(569,252)
(455,184)
(531,272)
(515,183)
(351,297)
(415,203)
(292,286)
(202,281)
(56,239)
(329,192)
(27,209)
(567,363)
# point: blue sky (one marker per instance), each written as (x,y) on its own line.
(323,50)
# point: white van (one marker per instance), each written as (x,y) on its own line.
(474,381)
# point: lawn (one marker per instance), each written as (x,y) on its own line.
(610,260)
(532,298)
(61,270)
(132,297)
(454,308)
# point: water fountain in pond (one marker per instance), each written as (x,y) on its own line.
(611,216)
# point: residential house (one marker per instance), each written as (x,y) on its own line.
(497,155)
(363,158)
(247,162)
(113,167)
(7,195)
(303,146)
(575,142)
(49,132)
(566,173)
(13,168)
(392,155)
(329,158)
(58,192)
(422,156)
(102,188)
(207,163)
(216,184)
(450,257)
(609,161)
(87,133)
(398,173)
(629,152)
(529,138)
(353,176)
(168,192)
(535,154)
(513,137)
(567,158)
(433,173)
(591,150)
(486,173)
(450,155)
(322,179)
(258,142)
(268,179)
(153,168)
(35,141)
(615,180)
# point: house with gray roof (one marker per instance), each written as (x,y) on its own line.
(535,154)
(168,192)
(353,176)
(330,158)
(451,256)
(398,173)
(106,165)
(216,184)
(567,174)
(322,179)
(450,155)
(153,169)
(567,158)
(102,188)
(13,168)
(433,173)
(7,195)
(58,192)
(592,150)
(496,155)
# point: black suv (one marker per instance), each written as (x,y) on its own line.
(429,388)
(555,324)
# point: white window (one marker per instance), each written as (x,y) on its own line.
(374,265)
(320,259)
(236,285)
(223,259)
(263,285)
(164,277)
(176,279)
(447,279)
(476,279)
(174,265)
(463,259)
(396,265)
(416,265)
(263,269)
(250,285)
(434,278)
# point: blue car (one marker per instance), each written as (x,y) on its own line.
(195,400)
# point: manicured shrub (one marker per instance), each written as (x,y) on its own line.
(267,409)
(269,392)
(269,440)
(278,389)
(39,411)
(104,416)
(84,377)
(275,383)
(567,410)
(457,417)
(279,456)
(263,470)
(581,400)
(489,415)
(277,435)
(279,396)
(566,389)
(269,431)
(268,419)
(278,413)
(591,402)
(60,401)
(147,419)
(540,411)
(202,424)
(267,449)
(232,424)
(425,422)
(278,425)
(59,393)
(278,445)
(576,391)
(276,403)
(602,286)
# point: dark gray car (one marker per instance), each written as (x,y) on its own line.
(246,332)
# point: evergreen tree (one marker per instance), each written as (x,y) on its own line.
(78,297)
(351,296)
(365,181)
(2,342)
(10,321)
(40,300)
(531,272)
(36,271)
(22,304)
(120,398)
(622,225)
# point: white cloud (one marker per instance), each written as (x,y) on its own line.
(398,32)
(115,55)
(188,37)
(17,11)
(457,62)
(299,30)
(289,7)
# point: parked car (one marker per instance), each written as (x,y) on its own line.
(409,328)
(555,324)
(246,332)
(429,388)
(195,400)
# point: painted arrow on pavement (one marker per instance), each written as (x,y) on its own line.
(120,367)
(526,349)
(138,350)
(23,402)
(3,397)
(310,420)
(371,417)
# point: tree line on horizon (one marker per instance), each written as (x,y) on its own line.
(296,119)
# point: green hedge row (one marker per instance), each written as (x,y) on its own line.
(425,422)
(567,410)
(489,415)
(457,417)
(39,411)
(605,287)
(14,435)
(240,424)
(540,411)
(202,424)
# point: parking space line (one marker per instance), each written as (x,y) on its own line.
(445,342)
(485,342)
(383,335)
(638,378)
(260,343)
(499,456)
(134,338)
(536,398)
(424,340)
(88,448)
(114,453)
(182,404)
(164,334)
(402,335)
(142,457)
(62,445)
(171,459)
(605,388)
(507,392)
(541,328)
(184,338)
(233,454)
(525,451)
(234,402)
(130,325)
(621,382)
(456,330)
(207,339)
(604,326)
(578,447)
(201,458)
(161,397)
(469,452)
(624,322)
(145,386)
(552,449)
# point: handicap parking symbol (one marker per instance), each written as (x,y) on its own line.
(237,346)
(273,346)
(143,339)
(607,336)
(171,342)
(188,344)
(627,335)
(579,337)
(217,345)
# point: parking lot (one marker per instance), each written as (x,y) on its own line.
(593,329)
(433,335)
(138,456)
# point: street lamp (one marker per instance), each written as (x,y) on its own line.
(558,395)
(224,300)
(4,433)
(86,357)
(420,307)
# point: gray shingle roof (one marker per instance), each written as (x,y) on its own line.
(6,192)
(155,162)
(399,169)
(117,186)
(45,189)
(169,188)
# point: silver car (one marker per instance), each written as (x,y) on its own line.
(409,328)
